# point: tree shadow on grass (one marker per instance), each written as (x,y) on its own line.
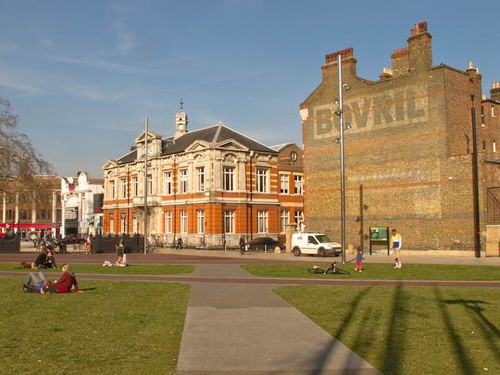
(328,349)
(475,310)
(459,350)
(474,307)
(396,334)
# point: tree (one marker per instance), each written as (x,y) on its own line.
(19,161)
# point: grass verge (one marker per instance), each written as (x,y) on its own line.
(110,328)
(381,272)
(139,269)
(409,330)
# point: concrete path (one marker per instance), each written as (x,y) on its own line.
(247,329)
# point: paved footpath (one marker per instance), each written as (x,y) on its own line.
(247,329)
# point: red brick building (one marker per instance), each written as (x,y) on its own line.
(210,186)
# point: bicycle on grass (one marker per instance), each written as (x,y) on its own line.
(333,269)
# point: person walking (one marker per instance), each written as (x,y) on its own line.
(242,245)
(359,261)
(395,245)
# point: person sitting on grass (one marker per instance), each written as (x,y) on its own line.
(121,261)
(34,282)
(66,284)
(50,260)
(41,260)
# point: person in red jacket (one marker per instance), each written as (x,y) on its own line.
(66,284)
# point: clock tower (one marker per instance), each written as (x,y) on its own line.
(181,121)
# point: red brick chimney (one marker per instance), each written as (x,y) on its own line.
(348,61)
(420,48)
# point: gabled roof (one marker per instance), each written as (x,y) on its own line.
(280,147)
(215,135)
(128,158)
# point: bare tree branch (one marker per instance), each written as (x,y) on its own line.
(19,161)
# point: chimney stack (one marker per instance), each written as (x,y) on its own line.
(348,61)
(420,48)
(495,91)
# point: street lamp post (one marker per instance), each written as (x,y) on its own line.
(342,157)
(145,184)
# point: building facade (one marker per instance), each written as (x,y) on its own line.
(33,208)
(489,134)
(408,150)
(207,186)
(82,199)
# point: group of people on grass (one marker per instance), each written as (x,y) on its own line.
(36,282)
(121,261)
(45,259)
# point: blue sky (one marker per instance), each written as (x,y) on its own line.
(82,75)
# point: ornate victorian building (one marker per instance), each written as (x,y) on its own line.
(208,186)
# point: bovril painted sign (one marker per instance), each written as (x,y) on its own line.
(391,109)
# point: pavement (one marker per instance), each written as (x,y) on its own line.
(248,329)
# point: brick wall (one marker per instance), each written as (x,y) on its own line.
(407,152)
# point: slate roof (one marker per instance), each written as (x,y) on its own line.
(213,134)
(128,158)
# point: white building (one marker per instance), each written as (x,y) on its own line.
(81,199)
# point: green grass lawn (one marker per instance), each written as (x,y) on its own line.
(410,331)
(110,328)
(134,269)
(381,271)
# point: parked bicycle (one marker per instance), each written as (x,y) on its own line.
(332,269)
(203,243)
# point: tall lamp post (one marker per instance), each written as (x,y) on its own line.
(475,182)
(145,184)
(340,113)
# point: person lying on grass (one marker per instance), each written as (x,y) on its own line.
(66,284)
(34,282)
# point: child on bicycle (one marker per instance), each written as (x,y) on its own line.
(359,261)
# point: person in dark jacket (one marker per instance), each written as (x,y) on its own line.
(242,245)
(41,260)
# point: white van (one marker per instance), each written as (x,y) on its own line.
(314,243)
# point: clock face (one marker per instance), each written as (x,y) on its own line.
(150,150)
(293,156)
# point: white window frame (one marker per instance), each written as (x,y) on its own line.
(284,184)
(123,223)
(200,179)
(229,221)
(298,184)
(228,178)
(167,183)
(112,190)
(183,178)
(200,214)
(493,111)
(135,224)
(262,222)
(168,222)
(135,186)
(123,183)
(298,216)
(111,224)
(261,180)
(284,220)
(150,183)
(184,222)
